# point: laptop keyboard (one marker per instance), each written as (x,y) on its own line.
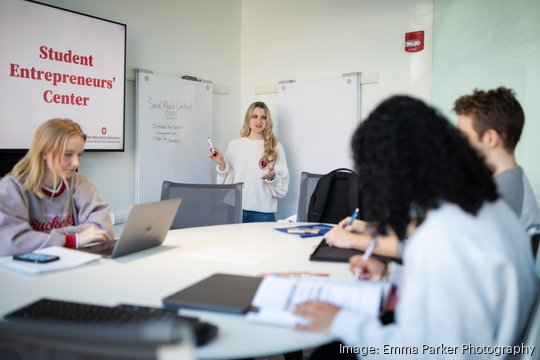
(100,248)
(88,314)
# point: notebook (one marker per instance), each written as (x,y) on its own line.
(146,226)
(218,292)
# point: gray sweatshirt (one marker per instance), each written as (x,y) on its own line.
(28,222)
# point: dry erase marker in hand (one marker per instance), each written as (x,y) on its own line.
(211,146)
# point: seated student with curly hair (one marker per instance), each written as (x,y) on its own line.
(45,202)
(468,273)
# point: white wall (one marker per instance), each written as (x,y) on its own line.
(315,39)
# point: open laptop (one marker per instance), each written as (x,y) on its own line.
(146,226)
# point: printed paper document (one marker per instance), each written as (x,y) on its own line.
(277,297)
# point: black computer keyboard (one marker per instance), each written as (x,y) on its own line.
(88,314)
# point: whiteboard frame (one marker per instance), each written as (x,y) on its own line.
(177,150)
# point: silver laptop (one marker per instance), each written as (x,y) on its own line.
(146,226)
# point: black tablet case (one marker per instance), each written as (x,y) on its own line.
(324,252)
(218,292)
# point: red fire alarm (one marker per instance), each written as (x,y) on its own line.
(414,41)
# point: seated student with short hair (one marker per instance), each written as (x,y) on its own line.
(468,274)
(493,121)
(45,202)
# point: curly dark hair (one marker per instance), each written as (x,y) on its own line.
(496,109)
(409,158)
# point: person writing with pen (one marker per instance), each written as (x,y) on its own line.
(468,273)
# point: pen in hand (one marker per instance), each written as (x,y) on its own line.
(367,254)
(353,216)
(371,247)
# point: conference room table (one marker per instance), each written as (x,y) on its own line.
(185,257)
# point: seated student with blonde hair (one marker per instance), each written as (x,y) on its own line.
(45,202)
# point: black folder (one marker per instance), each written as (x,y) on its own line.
(218,292)
(324,252)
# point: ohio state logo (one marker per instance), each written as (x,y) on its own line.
(263,165)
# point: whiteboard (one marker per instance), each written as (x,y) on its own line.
(173,122)
(316,120)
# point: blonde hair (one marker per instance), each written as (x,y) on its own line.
(270,140)
(51,136)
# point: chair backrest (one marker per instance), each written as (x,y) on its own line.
(163,340)
(535,241)
(205,204)
(534,233)
(308,182)
(335,197)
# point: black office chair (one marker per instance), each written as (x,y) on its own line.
(534,233)
(163,340)
(308,182)
(205,204)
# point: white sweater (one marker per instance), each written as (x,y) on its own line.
(242,165)
(466,280)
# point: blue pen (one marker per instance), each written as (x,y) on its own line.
(353,216)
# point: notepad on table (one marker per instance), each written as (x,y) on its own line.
(68,259)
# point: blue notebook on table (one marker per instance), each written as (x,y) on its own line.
(305,231)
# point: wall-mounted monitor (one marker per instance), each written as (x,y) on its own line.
(56,63)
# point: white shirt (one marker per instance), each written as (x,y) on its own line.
(466,280)
(242,159)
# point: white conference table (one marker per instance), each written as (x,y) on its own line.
(146,277)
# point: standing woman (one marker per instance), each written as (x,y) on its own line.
(258,160)
(45,202)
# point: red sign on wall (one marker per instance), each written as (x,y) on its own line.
(414,41)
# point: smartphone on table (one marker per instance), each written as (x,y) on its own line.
(36,257)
